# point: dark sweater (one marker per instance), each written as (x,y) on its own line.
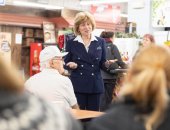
(112,53)
(125,116)
(26,112)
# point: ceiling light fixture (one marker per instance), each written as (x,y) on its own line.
(89,2)
(37,5)
(124,15)
(2,2)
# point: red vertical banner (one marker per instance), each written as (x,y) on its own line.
(61,42)
(35,49)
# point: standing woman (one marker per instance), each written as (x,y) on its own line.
(112,55)
(86,56)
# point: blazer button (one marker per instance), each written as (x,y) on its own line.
(92,74)
(78,58)
(81,73)
(97,58)
(82,65)
(92,65)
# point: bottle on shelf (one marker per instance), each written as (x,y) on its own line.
(35,64)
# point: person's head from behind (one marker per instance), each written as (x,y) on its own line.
(84,24)
(148,83)
(51,57)
(148,40)
(107,35)
(10,78)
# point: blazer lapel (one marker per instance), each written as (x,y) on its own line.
(81,50)
(93,48)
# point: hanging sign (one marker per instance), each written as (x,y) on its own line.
(106,12)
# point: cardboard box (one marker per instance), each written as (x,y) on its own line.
(27,41)
(29,32)
(38,33)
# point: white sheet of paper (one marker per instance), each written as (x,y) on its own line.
(18,38)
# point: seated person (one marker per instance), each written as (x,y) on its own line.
(144,99)
(49,83)
(148,40)
(20,110)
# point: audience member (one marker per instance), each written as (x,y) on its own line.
(49,83)
(148,40)
(21,111)
(144,98)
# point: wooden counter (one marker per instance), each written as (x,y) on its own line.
(85,114)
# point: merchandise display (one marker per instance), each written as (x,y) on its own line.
(35,49)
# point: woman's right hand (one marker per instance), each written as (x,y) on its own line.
(72,65)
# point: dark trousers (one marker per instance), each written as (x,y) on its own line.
(88,101)
(106,97)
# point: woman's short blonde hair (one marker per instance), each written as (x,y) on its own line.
(83,17)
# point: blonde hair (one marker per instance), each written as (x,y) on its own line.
(148,82)
(83,17)
(10,79)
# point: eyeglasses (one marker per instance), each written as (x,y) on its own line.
(57,58)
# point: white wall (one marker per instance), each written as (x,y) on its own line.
(142,17)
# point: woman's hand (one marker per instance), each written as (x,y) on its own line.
(112,61)
(72,65)
(109,62)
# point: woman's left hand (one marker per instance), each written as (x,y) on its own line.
(72,65)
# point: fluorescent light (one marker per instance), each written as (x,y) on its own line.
(37,5)
(89,2)
(124,15)
(2,2)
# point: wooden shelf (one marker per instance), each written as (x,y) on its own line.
(34,37)
(28,37)
(38,37)
(26,47)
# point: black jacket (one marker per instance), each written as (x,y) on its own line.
(123,116)
(86,78)
(112,53)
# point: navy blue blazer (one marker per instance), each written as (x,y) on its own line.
(86,78)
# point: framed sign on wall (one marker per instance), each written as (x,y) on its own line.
(49,32)
(160,13)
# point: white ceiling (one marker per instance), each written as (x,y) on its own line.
(70,4)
